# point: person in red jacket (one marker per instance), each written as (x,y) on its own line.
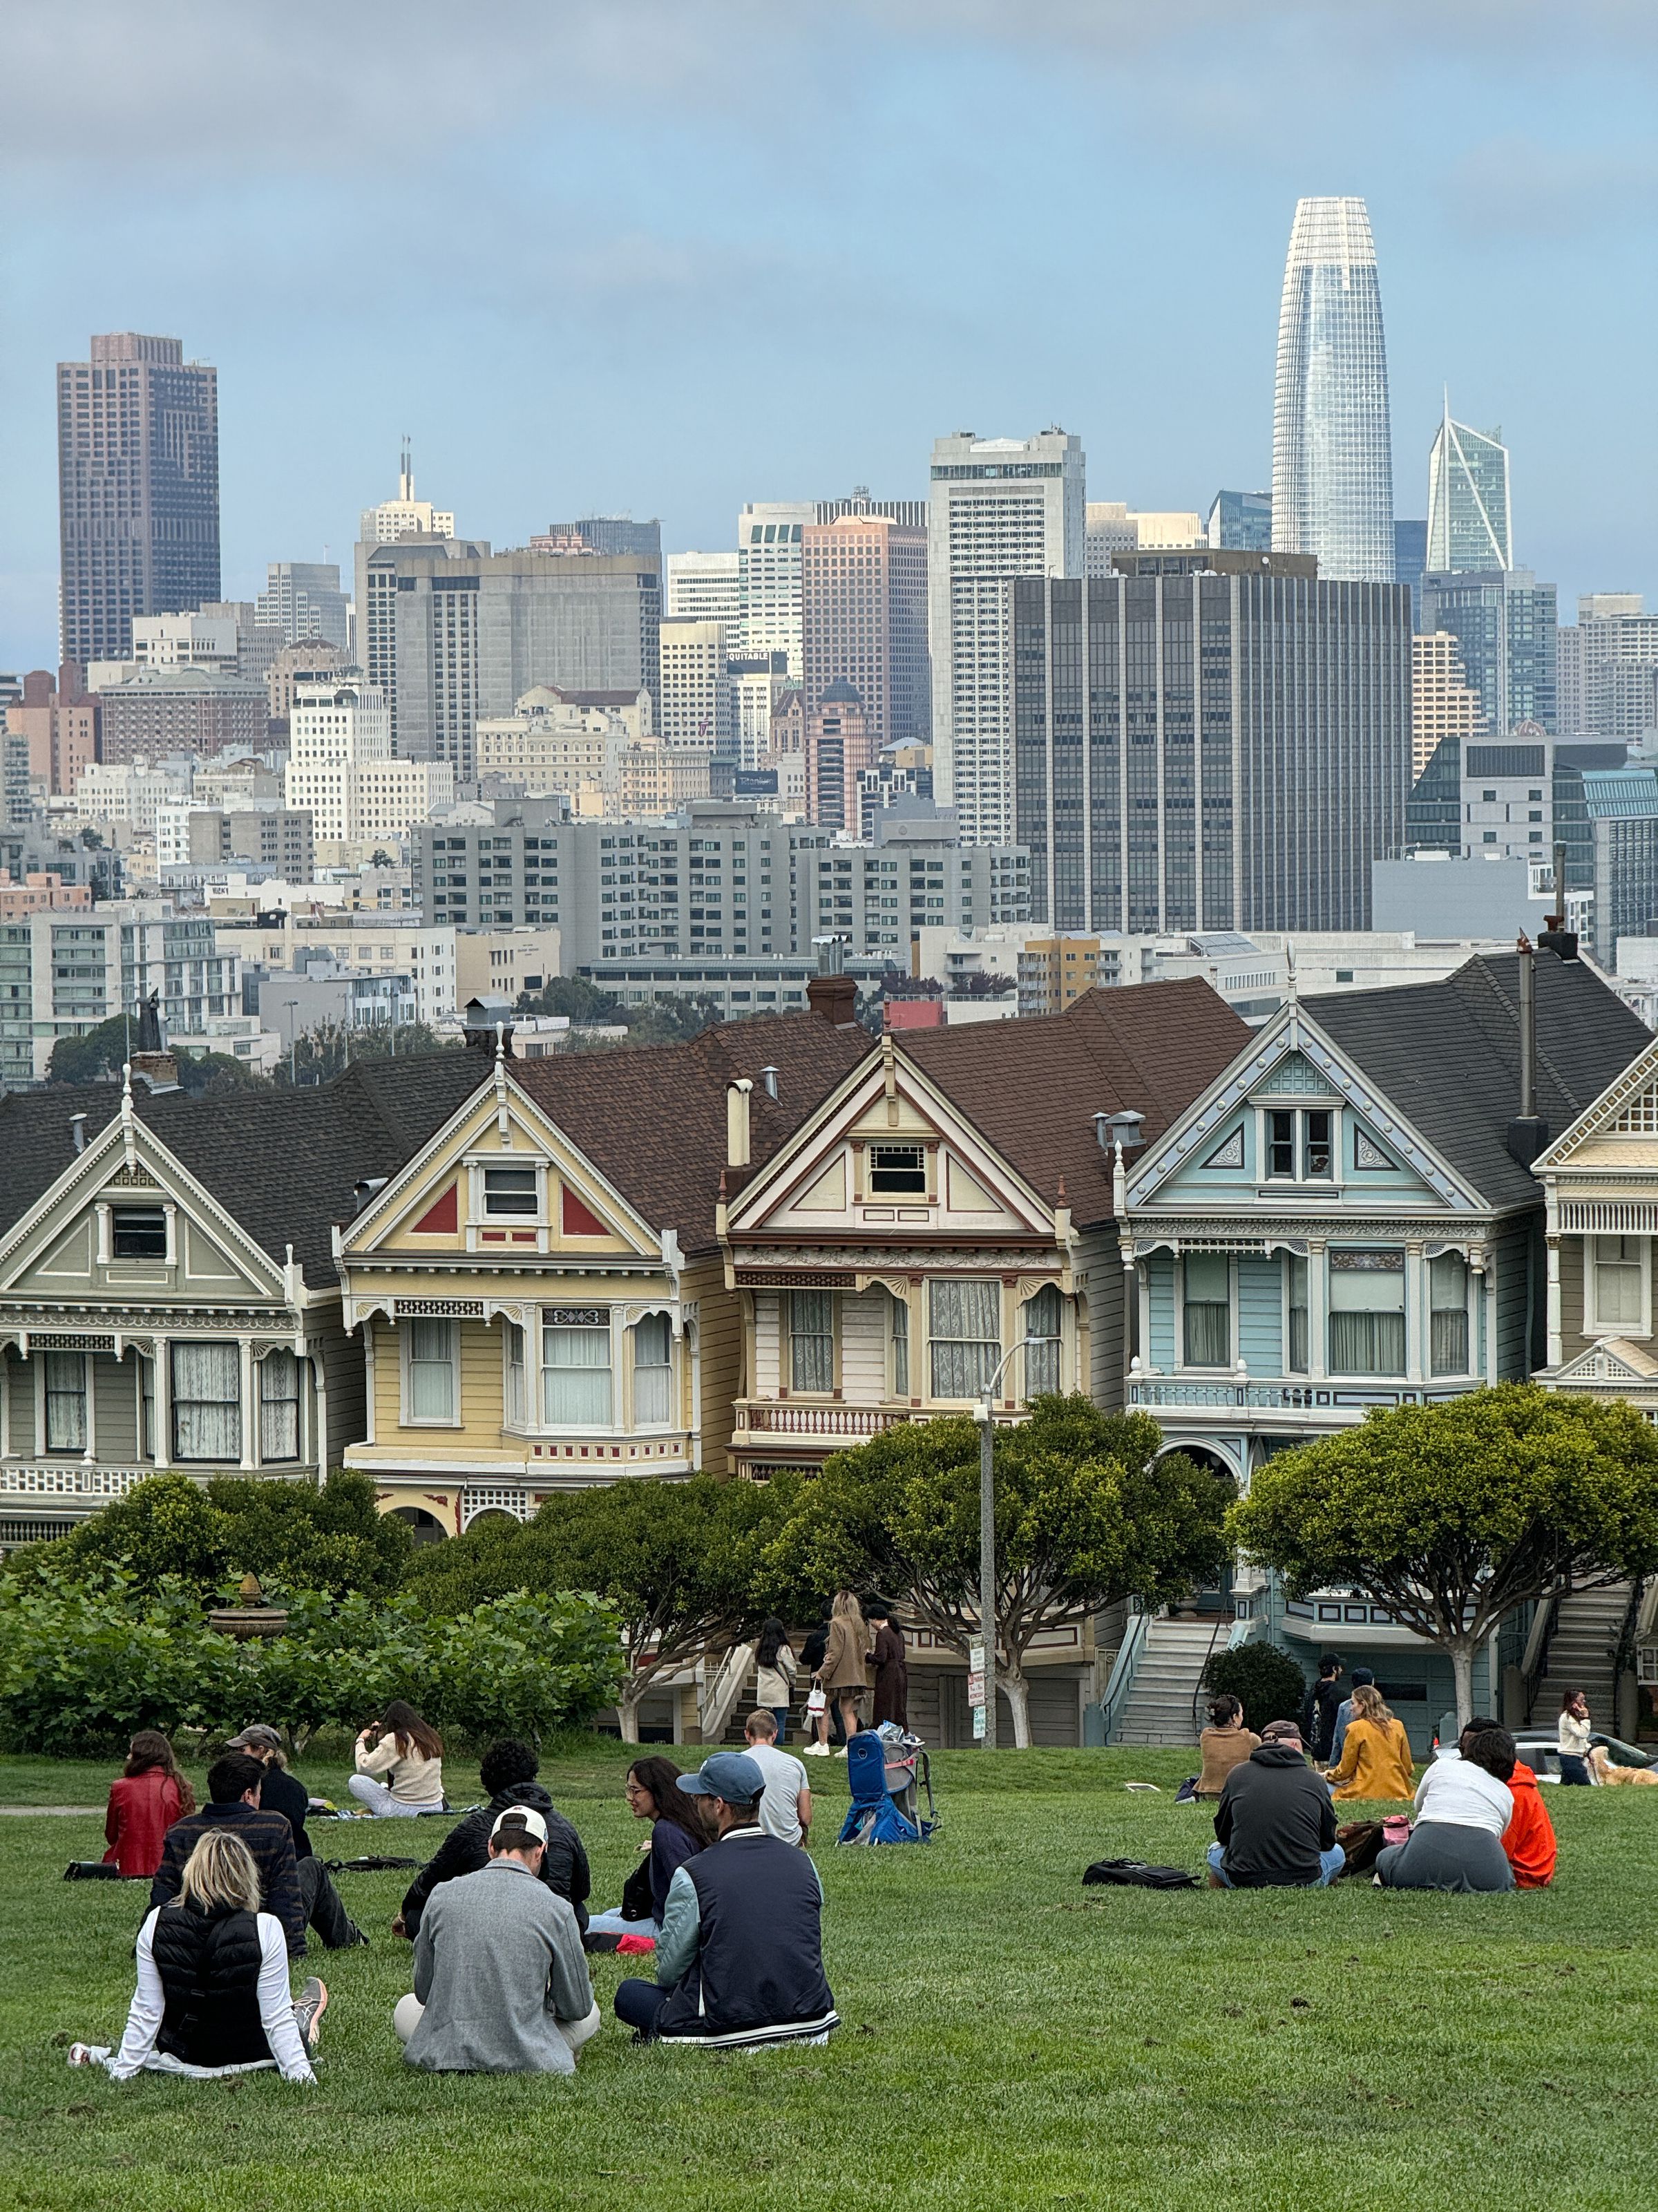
(149,1796)
(1528,1841)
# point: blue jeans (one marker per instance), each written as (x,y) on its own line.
(638,2003)
(780,1715)
(1575,1771)
(1330,1865)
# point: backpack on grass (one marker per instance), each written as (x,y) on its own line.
(1135,1873)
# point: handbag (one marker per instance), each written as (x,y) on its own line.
(816,1699)
(636,1893)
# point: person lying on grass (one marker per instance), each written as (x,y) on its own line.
(1464,1806)
(213,1996)
(1275,1825)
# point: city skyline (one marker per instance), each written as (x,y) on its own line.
(587,421)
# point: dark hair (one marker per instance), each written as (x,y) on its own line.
(507,1763)
(403,1721)
(1474,1727)
(1363,1677)
(773,1637)
(233,1776)
(1328,1665)
(661,1778)
(148,1749)
(1493,1748)
(1223,1710)
(1571,1698)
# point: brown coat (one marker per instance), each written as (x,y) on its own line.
(843,1658)
(1223,1749)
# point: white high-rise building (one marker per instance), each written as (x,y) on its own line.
(999,508)
(697,711)
(405,516)
(705,587)
(340,765)
(1333,471)
(768,577)
(1115,527)
(303,598)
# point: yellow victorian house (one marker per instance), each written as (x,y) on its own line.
(539,1291)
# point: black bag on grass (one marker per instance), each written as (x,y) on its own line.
(370,1865)
(95,1870)
(1134,1873)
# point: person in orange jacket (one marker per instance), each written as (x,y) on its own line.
(1528,1840)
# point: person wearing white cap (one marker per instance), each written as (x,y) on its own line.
(501,1980)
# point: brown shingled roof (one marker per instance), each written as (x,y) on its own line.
(651,1119)
(1033,1087)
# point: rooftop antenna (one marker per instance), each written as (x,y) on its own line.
(406,473)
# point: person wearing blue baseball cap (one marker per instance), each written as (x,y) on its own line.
(739,1961)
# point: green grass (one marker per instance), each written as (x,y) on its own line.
(1010,2038)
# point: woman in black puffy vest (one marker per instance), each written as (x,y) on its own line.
(213,1995)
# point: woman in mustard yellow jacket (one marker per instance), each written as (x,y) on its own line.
(1376,1758)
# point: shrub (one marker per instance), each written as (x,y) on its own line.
(83,1664)
(1266,1681)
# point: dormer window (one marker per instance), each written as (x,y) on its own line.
(138,1232)
(1298,1144)
(898,1170)
(511,1191)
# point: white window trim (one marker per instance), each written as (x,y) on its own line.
(89,1450)
(1300,1180)
(407,1418)
(538,1368)
(1592,1324)
(1181,1360)
(675,1340)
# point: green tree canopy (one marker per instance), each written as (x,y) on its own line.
(1086,1513)
(1453,1515)
(293,1536)
(685,1563)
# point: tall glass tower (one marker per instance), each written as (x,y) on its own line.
(1468,523)
(1332,475)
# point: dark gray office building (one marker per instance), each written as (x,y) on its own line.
(137,490)
(1209,740)
(606,534)
(457,634)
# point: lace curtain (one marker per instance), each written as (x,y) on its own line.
(966,1321)
(207,1402)
(653,1371)
(279,1407)
(575,1376)
(1041,1342)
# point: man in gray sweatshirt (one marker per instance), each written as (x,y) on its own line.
(501,1979)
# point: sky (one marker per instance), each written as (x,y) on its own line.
(623,255)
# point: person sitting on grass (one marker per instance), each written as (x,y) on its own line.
(1275,1826)
(508,1770)
(1528,1843)
(213,1996)
(1224,1744)
(233,1786)
(280,1792)
(739,1962)
(1464,1806)
(144,1804)
(399,1762)
(1363,1678)
(500,1983)
(653,1793)
(1375,1760)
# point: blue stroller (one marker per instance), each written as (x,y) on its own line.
(886,1767)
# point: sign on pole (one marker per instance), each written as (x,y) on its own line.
(978,1721)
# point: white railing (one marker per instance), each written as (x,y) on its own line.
(1290,1397)
(74,1481)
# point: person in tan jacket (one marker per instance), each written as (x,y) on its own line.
(399,1763)
(1224,1744)
(1376,1757)
(845,1671)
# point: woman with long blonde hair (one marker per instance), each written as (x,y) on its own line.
(1376,1753)
(213,1994)
(845,1662)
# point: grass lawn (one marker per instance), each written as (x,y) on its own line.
(1010,2038)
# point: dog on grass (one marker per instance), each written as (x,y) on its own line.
(1645,1777)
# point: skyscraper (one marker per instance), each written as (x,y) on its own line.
(1504,622)
(1468,522)
(303,598)
(703,588)
(863,620)
(1000,507)
(1332,474)
(138,490)
(1241,521)
(768,576)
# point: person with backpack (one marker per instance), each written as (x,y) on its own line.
(1275,1827)
(234,1782)
(150,1795)
(508,1770)
(212,1995)
(739,1961)
(1318,1709)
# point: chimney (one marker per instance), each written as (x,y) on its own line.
(834,999)
(160,1070)
(1555,937)
(737,1123)
(78,1130)
(768,1081)
(1527,1133)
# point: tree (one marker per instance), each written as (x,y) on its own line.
(1086,1513)
(1266,1681)
(684,1563)
(94,1056)
(1452,1516)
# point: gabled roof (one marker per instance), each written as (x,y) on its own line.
(1624,1110)
(283,1164)
(1032,1087)
(1447,1055)
(651,1119)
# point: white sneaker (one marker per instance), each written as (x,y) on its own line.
(841,1753)
(80,2054)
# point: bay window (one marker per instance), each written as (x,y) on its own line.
(965,1326)
(66,1400)
(1207,1308)
(1448,1315)
(653,1371)
(514,1399)
(811,1340)
(207,1402)
(279,1407)
(900,1333)
(575,1366)
(429,1350)
(1367,1313)
(1042,1341)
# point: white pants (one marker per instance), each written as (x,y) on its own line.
(406,2018)
(380,1801)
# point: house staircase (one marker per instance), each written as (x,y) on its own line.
(1582,1654)
(1158,1708)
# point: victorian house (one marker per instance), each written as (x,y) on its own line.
(1346,1217)
(168,1290)
(538,1294)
